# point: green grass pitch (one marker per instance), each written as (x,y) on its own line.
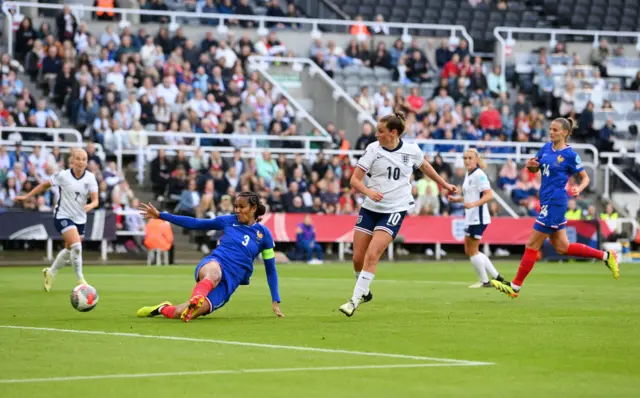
(574,332)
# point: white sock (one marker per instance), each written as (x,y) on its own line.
(362,286)
(60,261)
(76,259)
(488,266)
(478,264)
(357,275)
(606,256)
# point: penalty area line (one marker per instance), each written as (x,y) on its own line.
(231,371)
(255,345)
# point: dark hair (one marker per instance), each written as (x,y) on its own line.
(254,200)
(395,121)
(567,124)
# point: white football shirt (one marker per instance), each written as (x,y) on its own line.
(390,173)
(475,183)
(73,194)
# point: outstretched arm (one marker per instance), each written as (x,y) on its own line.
(193,223)
(43,187)
(268,256)
(149,212)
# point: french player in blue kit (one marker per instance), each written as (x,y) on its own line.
(229,265)
(557,161)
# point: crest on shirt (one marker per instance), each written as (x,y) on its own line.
(86,186)
(405,159)
(259,235)
(560,159)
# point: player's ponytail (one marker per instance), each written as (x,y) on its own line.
(567,124)
(254,200)
(395,121)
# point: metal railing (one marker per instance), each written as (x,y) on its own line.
(261,20)
(49,132)
(610,167)
(519,156)
(510,42)
(64,146)
(314,69)
(301,112)
(142,149)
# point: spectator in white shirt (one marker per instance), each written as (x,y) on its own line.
(198,104)
(135,109)
(385,109)
(285,108)
(81,39)
(379,97)
(109,35)
(104,64)
(379,28)
(168,90)
(44,115)
(226,52)
(123,116)
(115,77)
(365,101)
(148,52)
(38,158)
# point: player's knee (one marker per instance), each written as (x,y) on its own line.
(373,254)
(561,249)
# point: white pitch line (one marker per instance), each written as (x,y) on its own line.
(247,344)
(293,278)
(239,371)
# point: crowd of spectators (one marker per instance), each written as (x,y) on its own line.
(123,81)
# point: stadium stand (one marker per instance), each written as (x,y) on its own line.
(170,84)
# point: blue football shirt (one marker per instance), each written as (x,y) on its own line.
(556,167)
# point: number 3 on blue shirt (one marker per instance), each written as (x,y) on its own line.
(246,240)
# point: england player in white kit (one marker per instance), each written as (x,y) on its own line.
(74,186)
(389,164)
(477,192)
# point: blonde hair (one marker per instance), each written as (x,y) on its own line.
(568,125)
(481,163)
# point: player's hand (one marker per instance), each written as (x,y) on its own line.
(20,198)
(455,198)
(148,211)
(88,208)
(576,191)
(276,310)
(375,195)
(533,164)
(451,188)
(469,205)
